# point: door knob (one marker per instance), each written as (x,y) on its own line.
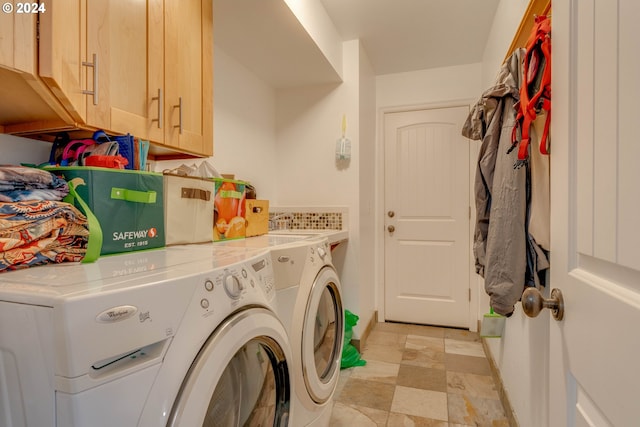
(391,228)
(533,302)
(391,214)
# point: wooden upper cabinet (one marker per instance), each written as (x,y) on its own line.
(125,66)
(188,75)
(25,98)
(117,36)
(18,29)
(156,99)
(62,54)
(98,67)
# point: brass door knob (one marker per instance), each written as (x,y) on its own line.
(391,229)
(391,214)
(533,302)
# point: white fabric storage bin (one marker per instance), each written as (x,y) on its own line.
(188,207)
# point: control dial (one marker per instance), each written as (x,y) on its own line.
(233,286)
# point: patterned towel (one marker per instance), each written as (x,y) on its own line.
(19,183)
(41,232)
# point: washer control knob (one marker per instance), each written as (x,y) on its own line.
(322,253)
(208,285)
(233,286)
(204,303)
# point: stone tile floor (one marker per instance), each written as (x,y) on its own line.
(420,376)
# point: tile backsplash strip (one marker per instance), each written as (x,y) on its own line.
(315,219)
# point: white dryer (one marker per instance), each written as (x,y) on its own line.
(310,307)
(144,339)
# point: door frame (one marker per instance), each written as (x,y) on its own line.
(379,220)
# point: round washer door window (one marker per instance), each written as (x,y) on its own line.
(240,377)
(322,337)
(247,392)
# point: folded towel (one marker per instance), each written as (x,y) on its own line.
(19,183)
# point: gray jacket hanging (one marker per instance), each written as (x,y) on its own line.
(501,246)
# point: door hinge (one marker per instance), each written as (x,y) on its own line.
(469,294)
(469,212)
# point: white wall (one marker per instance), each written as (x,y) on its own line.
(15,150)
(505,24)
(435,85)
(367,206)
(522,354)
(244,132)
(309,122)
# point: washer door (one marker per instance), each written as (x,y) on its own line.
(240,377)
(323,335)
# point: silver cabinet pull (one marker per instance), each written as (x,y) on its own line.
(160,104)
(533,302)
(93,65)
(179,107)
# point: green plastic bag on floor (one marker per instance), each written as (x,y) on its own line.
(350,354)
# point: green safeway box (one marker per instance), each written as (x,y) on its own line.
(127,203)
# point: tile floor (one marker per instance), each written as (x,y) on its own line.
(420,376)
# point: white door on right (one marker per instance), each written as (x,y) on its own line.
(595,214)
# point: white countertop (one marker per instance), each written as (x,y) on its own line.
(48,283)
(333,236)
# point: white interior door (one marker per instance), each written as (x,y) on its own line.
(595,185)
(427,217)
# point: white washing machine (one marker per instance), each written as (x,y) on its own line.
(310,307)
(145,339)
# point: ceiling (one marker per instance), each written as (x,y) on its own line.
(397,35)
(409,35)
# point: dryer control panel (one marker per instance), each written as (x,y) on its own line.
(320,253)
(247,282)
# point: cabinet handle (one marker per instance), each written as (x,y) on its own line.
(179,107)
(160,103)
(93,92)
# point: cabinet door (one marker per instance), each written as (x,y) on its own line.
(155,73)
(27,101)
(62,52)
(189,75)
(18,29)
(117,36)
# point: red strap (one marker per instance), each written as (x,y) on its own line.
(544,147)
(538,50)
(523,149)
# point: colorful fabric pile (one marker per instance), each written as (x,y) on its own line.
(36,227)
